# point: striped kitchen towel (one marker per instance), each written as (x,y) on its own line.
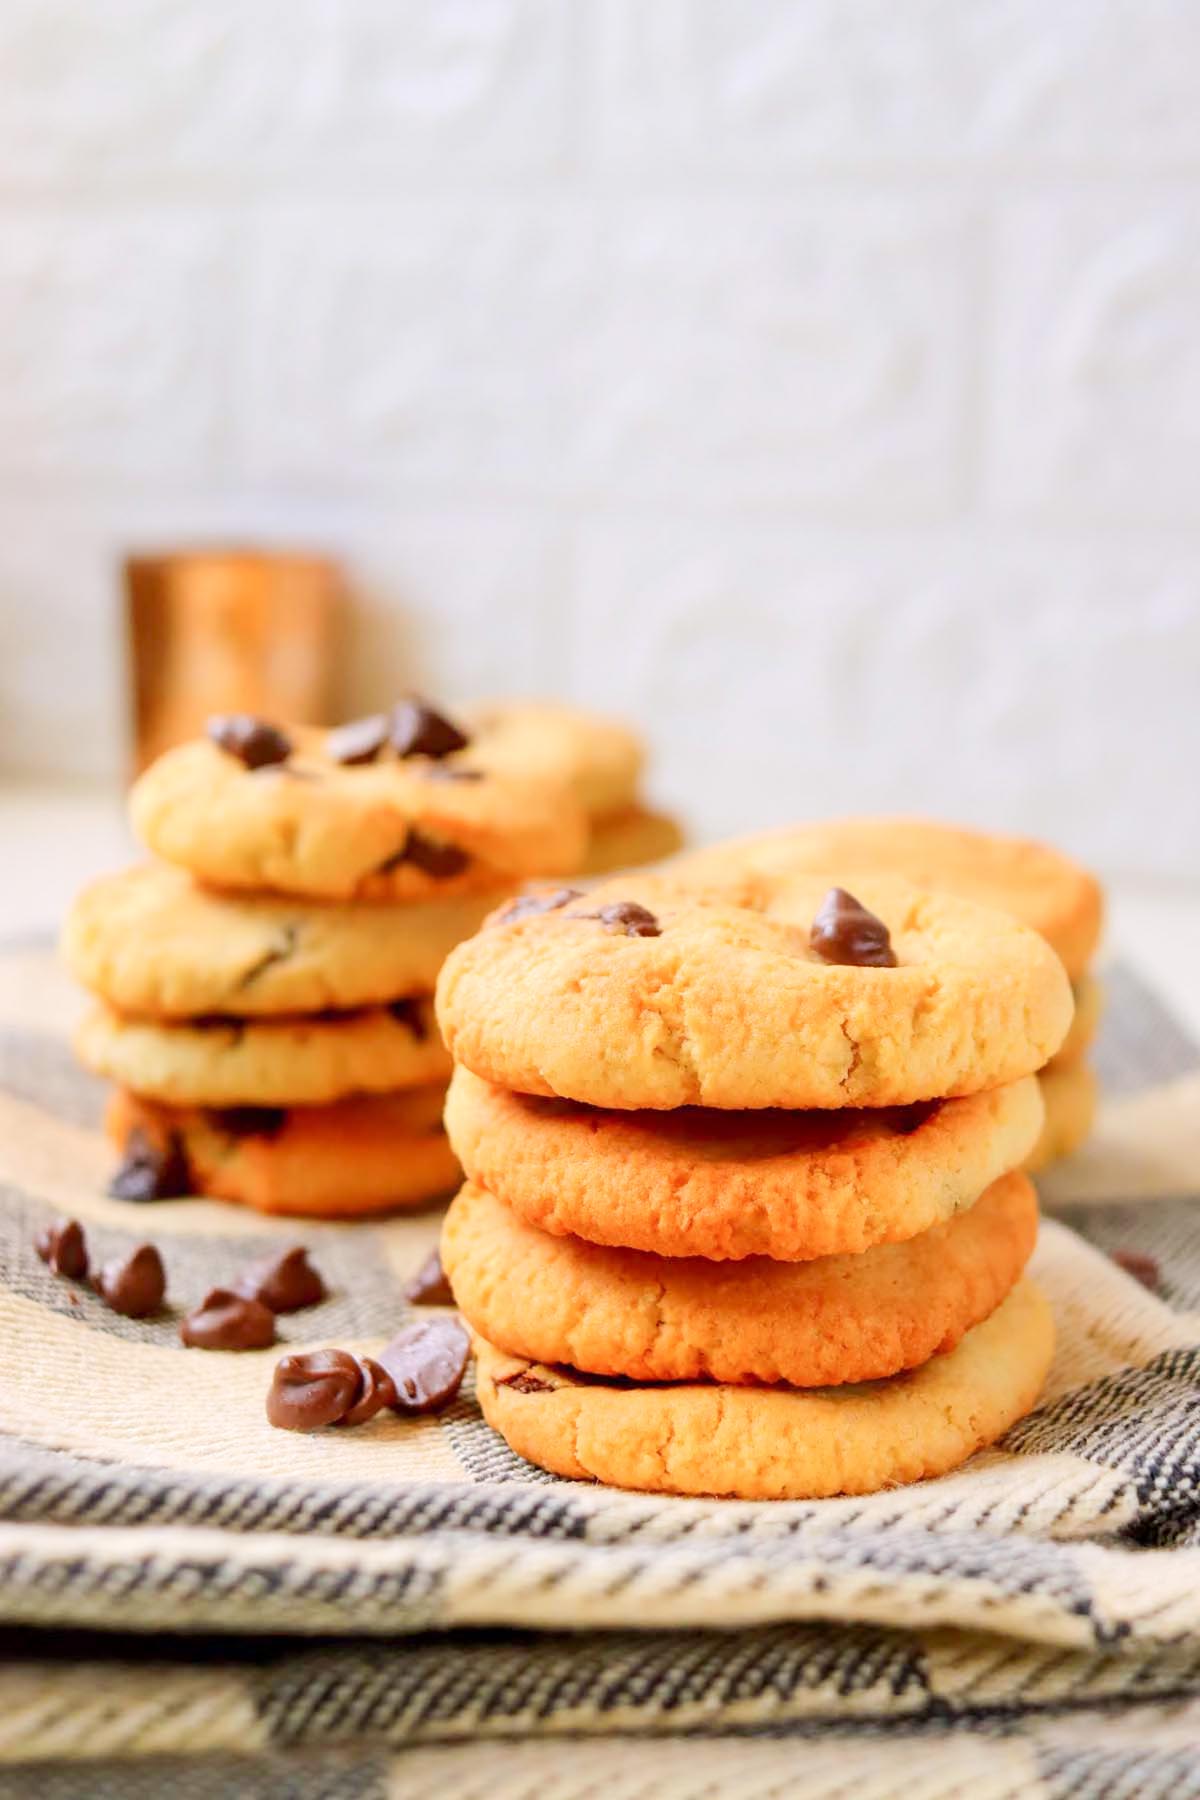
(1055,1580)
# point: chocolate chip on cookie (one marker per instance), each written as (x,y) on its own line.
(417,730)
(628,917)
(61,1246)
(228,1321)
(439,860)
(409,1013)
(151,1171)
(524,1382)
(250,1121)
(446,772)
(845,932)
(360,741)
(528,906)
(255,742)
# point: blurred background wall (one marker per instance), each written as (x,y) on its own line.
(816,380)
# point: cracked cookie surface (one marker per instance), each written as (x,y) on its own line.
(369,1154)
(152,941)
(723,1185)
(266,1062)
(721,1002)
(775,1443)
(656,1318)
(408,829)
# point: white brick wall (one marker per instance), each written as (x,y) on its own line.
(818,380)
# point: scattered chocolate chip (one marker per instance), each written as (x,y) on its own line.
(417,730)
(312,1388)
(411,1014)
(228,1321)
(1142,1267)
(439,860)
(525,1382)
(377,1392)
(845,932)
(528,906)
(62,1246)
(250,1121)
(285,1283)
(134,1285)
(448,772)
(429,1286)
(426,1362)
(150,1171)
(360,741)
(253,741)
(628,917)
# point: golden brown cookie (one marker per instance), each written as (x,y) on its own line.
(371,1154)
(625,840)
(1039,885)
(694,1182)
(293,1061)
(644,994)
(409,828)
(775,1443)
(1071,1093)
(152,941)
(657,1318)
(599,760)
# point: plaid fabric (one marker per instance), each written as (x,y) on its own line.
(1036,1615)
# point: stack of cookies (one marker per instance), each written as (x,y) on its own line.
(1037,884)
(743,1213)
(265,989)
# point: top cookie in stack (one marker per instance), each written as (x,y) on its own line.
(754,1138)
(265,990)
(1037,884)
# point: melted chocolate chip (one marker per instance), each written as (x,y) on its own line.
(417,730)
(62,1247)
(360,741)
(628,917)
(845,932)
(150,1171)
(429,1286)
(377,1392)
(255,742)
(228,1321)
(134,1285)
(313,1388)
(1142,1267)
(528,906)
(250,1121)
(285,1283)
(426,1362)
(439,860)
(525,1382)
(410,1014)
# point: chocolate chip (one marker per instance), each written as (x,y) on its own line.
(151,1171)
(134,1285)
(411,1014)
(312,1388)
(253,741)
(377,1392)
(904,1120)
(1142,1267)
(417,730)
(426,1362)
(439,860)
(845,932)
(285,1283)
(360,741)
(250,1121)
(429,1286)
(62,1246)
(528,906)
(228,1321)
(628,917)
(525,1382)
(448,772)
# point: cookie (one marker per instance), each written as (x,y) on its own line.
(789,1185)
(1070,1092)
(1040,886)
(154,942)
(627,839)
(370,1154)
(775,1443)
(266,1062)
(409,828)
(598,760)
(641,994)
(1089,1010)
(657,1318)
